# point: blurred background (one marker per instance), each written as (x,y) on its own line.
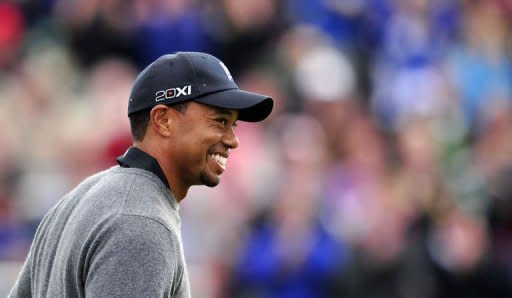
(385,169)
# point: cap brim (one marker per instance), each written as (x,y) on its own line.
(252,107)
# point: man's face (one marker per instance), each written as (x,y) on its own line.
(203,139)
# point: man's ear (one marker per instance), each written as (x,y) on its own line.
(161,120)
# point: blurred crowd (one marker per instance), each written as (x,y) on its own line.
(385,169)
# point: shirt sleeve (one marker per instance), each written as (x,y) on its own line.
(136,257)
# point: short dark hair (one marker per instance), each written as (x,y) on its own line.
(139,120)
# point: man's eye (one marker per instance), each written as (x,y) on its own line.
(222,121)
(225,122)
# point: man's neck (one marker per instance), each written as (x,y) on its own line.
(178,191)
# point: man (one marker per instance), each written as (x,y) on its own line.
(117,234)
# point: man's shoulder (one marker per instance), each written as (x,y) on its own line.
(128,181)
(92,180)
(127,191)
(144,195)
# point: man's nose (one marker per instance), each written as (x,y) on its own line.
(230,139)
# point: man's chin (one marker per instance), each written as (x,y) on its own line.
(209,180)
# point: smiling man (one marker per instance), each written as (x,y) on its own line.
(117,234)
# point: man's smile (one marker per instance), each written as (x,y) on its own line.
(220,160)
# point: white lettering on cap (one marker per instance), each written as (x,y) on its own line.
(226,70)
(173,93)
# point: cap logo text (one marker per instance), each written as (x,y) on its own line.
(226,70)
(173,93)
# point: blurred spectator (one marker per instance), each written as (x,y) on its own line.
(300,259)
(109,82)
(459,250)
(168,26)
(480,66)
(406,78)
(243,30)
(12,30)
(97,29)
(341,20)
(325,80)
(499,219)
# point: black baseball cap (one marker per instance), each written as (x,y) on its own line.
(184,76)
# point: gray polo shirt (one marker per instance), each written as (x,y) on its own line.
(117,234)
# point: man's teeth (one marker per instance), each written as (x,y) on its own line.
(221,160)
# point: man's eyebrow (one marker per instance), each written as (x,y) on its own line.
(224,112)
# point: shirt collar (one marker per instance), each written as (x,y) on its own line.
(136,158)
